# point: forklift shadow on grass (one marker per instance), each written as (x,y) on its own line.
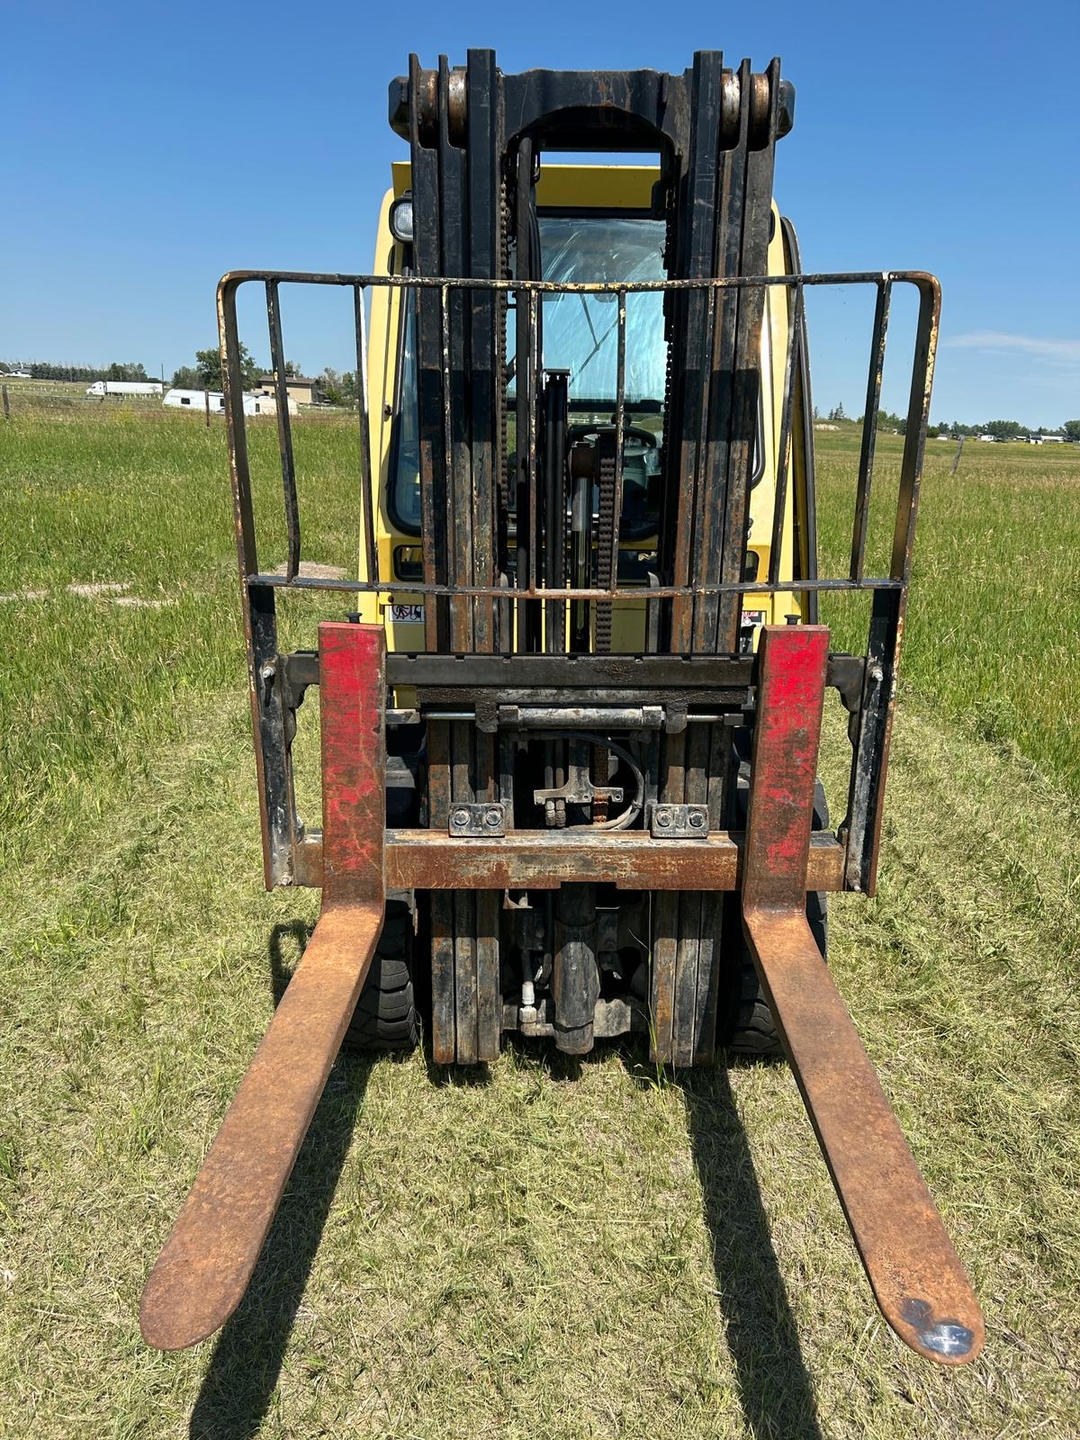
(243,1373)
(774,1387)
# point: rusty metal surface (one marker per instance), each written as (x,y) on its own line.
(911,1264)
(413,98)
(207,1262)
(544,860)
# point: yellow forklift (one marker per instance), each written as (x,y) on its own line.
(570,711)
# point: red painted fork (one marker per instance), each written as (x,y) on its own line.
(204,1269)
(914,1271)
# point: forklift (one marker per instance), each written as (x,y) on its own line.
(570,710)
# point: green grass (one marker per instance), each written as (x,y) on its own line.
(994,609)
(531,1250)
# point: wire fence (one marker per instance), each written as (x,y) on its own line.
(18,396)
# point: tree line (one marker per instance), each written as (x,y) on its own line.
(336,387)
(45,370)
(999,429)
(339,388)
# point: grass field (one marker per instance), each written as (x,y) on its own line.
(530,1251)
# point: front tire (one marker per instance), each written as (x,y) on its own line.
(751,1029)
(386,1016)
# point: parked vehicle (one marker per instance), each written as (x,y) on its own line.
(200,401)
(126,387)
(196,400)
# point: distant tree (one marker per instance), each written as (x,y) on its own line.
(337,389)
(45,370)
(130,371)
(187,378)
(1004,429)
(293,369)
(208,367)
(837,412)
(1071,429)
(887,421)
(330,385)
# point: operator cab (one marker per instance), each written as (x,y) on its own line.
(594,225)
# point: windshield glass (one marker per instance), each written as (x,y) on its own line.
(581,331)
(580,334)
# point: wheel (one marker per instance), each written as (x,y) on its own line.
(750,1028)
(385,1017)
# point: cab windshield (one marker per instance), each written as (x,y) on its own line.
(580,334)
(581,331)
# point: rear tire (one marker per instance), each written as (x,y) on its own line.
(385,1017)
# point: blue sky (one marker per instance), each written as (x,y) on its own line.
(144,150)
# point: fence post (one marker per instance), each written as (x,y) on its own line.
(206,402)
(7,402)
(956,457)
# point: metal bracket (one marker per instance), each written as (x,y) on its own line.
(594,717)
(483,820)
(679,822)
(579,790)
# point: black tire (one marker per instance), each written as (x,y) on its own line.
(385,1017)
(750,1028)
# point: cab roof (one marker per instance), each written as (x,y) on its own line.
(578,187)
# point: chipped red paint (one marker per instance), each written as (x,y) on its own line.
(206,1264)
(791,689)
(353,757)
(914,1271)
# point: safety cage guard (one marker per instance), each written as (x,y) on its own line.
(684,674)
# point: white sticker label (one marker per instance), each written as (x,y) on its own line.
(751,619)
(407,613)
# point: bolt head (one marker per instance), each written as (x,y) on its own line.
(459,818)
(492,817)
(663,817)
(697,820)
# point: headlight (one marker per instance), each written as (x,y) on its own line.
(401,219)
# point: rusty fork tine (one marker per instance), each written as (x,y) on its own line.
(914,1271)
(208,1260)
